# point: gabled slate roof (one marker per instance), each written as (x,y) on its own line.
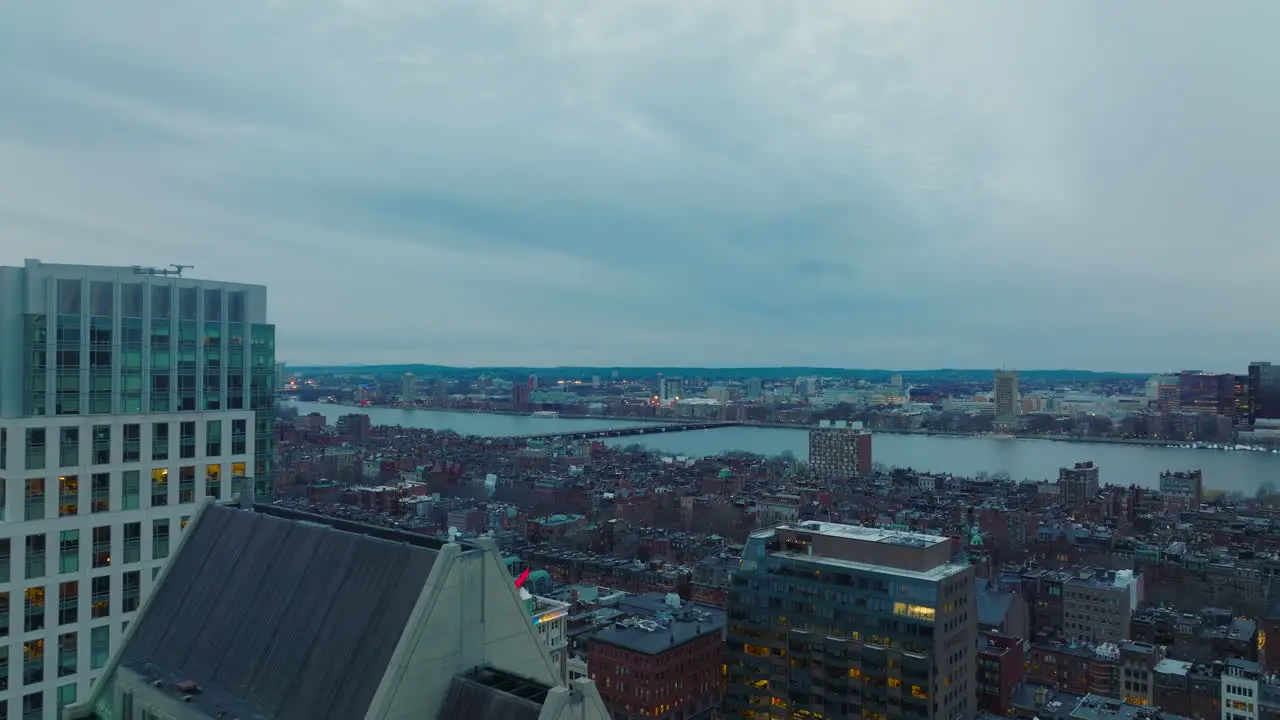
(289,620)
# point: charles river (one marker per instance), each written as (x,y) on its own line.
(1022,459)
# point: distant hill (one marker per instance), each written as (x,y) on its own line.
(943,375)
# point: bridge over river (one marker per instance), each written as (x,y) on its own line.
(625,432)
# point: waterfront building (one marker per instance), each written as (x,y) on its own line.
(839,450)
(1005,398)
(755,388)
(888,615)
(408,388)
(1207,393)
(670,388)
(282,376)
(1264,392)
(127,394)
(272,612)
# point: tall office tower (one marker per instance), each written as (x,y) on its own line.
(1264,392)
(1006,397)
(282,376)
(408,388)
(839,451)
(755,388)
(126,396)
(670,388)
(829,620)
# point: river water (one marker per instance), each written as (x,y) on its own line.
(1022,459)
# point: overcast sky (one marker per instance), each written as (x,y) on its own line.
(679,182)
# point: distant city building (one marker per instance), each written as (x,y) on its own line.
(1005,398)
(1264,392)
(1207,393)
(533,382)
(889,616)
(408,387)
(839,451)
(1078,484)
(519,396)
(282,376)
(755,388)
(895,381)
(1240,689)
(127,394)
(1182,490)
(670,388)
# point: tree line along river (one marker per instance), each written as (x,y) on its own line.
(1022,459)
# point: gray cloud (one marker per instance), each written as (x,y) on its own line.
(906,184)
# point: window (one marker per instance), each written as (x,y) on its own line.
(34,616)
(237,305)
(100,492)
(101,298)
(4,616)
(70,301)
(102,546)
(213,438)
(160,441)
(100,596)
(183,522)
(68,496)
(69,551)
(32,662)
(35,449)
(132,443)
(36,561)
(68,654)
(130,494)
(131,300)
(4,448)
(5,554)
(213,481)
(187,484)
(132,542)
(66,695)
(187,440)
(161,301)
(35,499)
(238,437)
(99,646)
(68,446)
(213,305)
(33,706)
(237,477)
(187,303)
(159,487)
(101,444)
(160,539)
(68,602)
(132,594)
(4,680)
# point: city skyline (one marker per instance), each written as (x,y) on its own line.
(855,185)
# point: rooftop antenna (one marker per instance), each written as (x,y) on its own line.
(174,270)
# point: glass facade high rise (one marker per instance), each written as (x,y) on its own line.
(127,396)
(829,620)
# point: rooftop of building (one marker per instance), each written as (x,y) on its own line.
(656,625)
(1098,707)
(869,534)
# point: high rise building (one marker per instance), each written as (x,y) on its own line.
(839,451)
(670,388)
(1006,397)
(755,388)
(127,394)
(888,616)
(408,388)
(282,376)
(1078,484)
(1264,392)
